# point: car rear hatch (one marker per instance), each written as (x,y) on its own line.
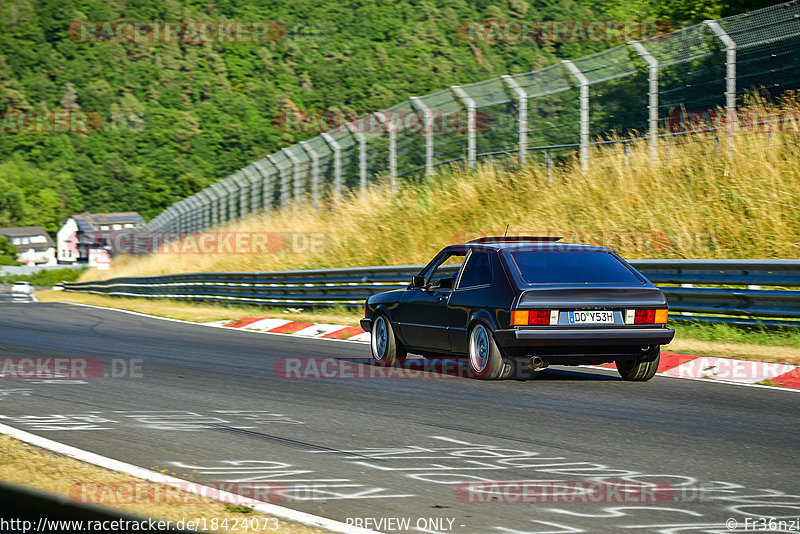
(568,297)
(579,306)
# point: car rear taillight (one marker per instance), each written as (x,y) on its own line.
(534,317)
(658,316)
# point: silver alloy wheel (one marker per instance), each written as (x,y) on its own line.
(380,338)
(479,348)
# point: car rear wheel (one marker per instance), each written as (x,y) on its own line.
(641,369)
(386,350)
(485,359)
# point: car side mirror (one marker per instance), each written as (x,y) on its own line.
(417,281)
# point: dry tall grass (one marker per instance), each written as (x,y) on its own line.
(700,200)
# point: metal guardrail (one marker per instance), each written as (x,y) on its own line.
(350,286)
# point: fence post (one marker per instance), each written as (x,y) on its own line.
(391,128)
(242,183)
(730,76)
(583,82)
(362,152)
(522,106)
(267,191)
(167,226)
(295,175)
(194,213)
(283,198)
(652,65)
(180,219)
(548,163)
(471,126)
(253,178)
(337,164)
(427,118)
(180,209)
(205,209)
(227,183)
(214,196)
(314,173)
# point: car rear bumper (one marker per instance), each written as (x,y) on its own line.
(582,337)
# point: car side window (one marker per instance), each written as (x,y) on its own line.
(445,273)
(477,271)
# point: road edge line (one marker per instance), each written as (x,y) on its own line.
(189,487)
(131,312)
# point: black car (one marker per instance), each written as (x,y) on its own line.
(514,305)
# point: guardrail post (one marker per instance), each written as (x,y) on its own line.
(362,152)
(522,108)
(469,103)
(652,65)
(284,185)
(269,183)
(730,76)
(337,165)
(427,119)
(296,190)
(314,173)
(583,83)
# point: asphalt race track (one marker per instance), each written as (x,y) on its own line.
(206,404)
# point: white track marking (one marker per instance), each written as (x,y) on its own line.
(199,324)
(152,476)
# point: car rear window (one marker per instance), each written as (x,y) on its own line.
(562,267)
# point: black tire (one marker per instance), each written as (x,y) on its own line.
(387,351)
(642,369)
(486,362)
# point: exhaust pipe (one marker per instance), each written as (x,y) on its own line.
(537,363)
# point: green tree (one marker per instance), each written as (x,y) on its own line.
(8,252)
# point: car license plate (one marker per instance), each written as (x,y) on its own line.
(594,317)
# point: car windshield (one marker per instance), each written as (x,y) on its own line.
(581,267)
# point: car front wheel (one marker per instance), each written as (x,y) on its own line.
(386,350)
(641,369)
(485,359)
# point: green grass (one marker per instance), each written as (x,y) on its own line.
(723,333)
(44,278)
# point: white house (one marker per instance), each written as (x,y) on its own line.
(79,240)
(34,244)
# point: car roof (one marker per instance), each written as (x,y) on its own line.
(518,244)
